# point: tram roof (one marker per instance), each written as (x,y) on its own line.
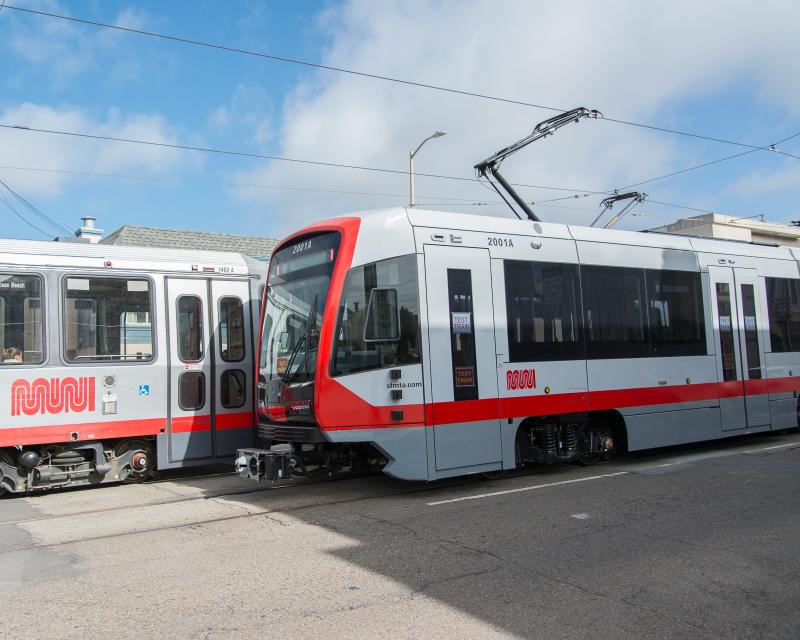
(33,253)
(498,225)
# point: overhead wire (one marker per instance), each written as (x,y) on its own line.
(260,156)
(242,185)
(768,147)
(53,222)
(374,76)
(5,201)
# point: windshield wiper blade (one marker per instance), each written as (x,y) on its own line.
(293,355)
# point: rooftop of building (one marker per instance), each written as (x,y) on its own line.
(133,235)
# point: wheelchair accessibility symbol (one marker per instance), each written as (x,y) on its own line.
(144,390)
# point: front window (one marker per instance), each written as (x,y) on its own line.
(378,323)
(299,279)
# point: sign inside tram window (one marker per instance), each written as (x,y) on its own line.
(465,376)
(461,322)
(750,323)
(12,285)
(725,323)
(281,364)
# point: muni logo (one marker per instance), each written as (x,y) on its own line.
(520,379)
(57,395)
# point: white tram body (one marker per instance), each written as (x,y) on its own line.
(120,360)
(437,344)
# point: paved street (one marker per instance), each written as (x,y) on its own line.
(691,542)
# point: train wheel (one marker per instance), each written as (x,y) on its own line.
(5,458)
(142,460)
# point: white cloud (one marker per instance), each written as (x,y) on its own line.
(631,60)
(763,182)
(63,50)
(38,150)
(248,111)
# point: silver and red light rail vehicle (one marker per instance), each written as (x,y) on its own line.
(117,361)
(435,344)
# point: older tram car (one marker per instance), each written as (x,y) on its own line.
(434,344)
(118,361)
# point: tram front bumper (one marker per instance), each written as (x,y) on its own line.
(265,464)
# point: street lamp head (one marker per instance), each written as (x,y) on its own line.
(435,134)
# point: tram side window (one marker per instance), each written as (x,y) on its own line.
(232,391)
(21,319)
(231,329)
(543,311)
(107,319)
(615,312)
(783,304)
(190,329)
(378,320)
(675,305)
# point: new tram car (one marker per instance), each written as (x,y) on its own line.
(434,344)
(117,361)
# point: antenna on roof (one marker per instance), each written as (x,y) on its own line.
(489,168)
(635,198)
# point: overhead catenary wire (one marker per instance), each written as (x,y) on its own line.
(11,208)
(53,222)
(712,162)
(260,156)
(373,76)
(13,194)
(240,185)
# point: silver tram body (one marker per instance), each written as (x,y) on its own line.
(438,344)
(121,360)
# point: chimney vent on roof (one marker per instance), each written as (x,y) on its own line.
(88,231)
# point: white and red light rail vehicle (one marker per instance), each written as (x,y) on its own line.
(121,360)
(434,344)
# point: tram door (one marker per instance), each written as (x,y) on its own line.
(233,366)
(465,411)
(189,424)
(209,368)
(738,323)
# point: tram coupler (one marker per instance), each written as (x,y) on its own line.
(275,463)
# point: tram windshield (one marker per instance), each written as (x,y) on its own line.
(299,279)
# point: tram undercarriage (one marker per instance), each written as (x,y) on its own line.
(73,464)
(554,440)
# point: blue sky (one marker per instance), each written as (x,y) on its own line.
(717,70)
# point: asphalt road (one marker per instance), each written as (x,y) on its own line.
(692,542)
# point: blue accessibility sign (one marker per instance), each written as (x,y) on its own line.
(144,390)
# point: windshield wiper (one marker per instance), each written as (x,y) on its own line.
(311,322)
(292,357)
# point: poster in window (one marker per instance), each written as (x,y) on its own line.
(462,321)
(465,376)
(281,364)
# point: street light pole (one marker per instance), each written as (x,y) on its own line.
(436,134)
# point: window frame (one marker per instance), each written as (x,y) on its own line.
(415,258)
(672,348)
(228,372)
(222,358)
(790,294)
(43,290)
(110,276)
(200,374)
(178,328)
(573,350)
(601,349)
